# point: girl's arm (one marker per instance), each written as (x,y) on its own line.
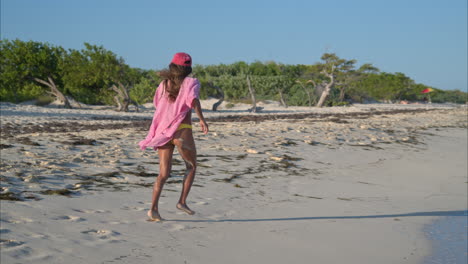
(198,111)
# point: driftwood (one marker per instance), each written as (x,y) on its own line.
(328,87)
(220,96)
(252,94)
(54,91)
(122,99)
(282,100)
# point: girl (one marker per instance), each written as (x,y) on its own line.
(174,99)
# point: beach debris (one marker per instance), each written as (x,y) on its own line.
(284,161)
(27,141)
(276,158)
(314,143)
(54,91)
(286,142)
(252,151)
(10,196)
(306,196)
(109,174)
(82,141)
(220,96)
(30,154)
(31,179)
(77,160)
(64,192)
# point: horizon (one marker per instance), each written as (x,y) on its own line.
(425,40)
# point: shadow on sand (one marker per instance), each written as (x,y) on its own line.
(433,213)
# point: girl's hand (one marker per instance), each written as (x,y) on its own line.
(204,127)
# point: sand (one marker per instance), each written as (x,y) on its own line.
(333,185)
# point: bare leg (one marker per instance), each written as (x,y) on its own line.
(165,164)
(186,147)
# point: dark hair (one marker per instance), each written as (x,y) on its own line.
(173,78)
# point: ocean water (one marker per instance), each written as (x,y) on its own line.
(449,238)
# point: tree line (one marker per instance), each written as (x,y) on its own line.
(94,75)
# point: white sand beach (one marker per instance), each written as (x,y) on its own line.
(349,185)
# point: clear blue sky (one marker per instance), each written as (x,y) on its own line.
(424,39)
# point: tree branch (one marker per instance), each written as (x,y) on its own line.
(43,82)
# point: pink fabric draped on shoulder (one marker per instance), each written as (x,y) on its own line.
(169,115)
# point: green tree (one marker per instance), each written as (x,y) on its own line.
(332,68)
(143,91)
(25,65)
(90,72)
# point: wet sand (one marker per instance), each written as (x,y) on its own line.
(353,185)
(448,236)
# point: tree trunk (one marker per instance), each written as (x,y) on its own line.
(342,94)
(55,92)
(309,95)
(16,96)
(326,92)
(309,92)
(252,94)
(117,101)
(323,97)
(220,96)
(125,97)
(118,98)
(282,101)
(122,98)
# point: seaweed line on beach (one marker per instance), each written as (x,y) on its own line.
(11,130)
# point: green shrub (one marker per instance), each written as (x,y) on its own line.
(143,92)
(229,105)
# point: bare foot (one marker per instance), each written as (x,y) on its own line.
(185,208)
(154,216)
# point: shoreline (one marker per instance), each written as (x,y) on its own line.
(448,237)
(312,186)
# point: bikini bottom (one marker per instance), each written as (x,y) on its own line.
(181,126)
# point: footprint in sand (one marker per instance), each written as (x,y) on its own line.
(117,222)
(91,211)
(177,227)
(133,208)
(215,216)
(101,233)
(16,249)
(70,218)
(22,221)
(201,203)
(9,243)
(230,213)
(38,235)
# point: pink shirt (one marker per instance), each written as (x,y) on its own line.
(169,115)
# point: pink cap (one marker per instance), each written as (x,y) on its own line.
(182,59)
